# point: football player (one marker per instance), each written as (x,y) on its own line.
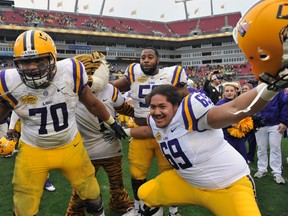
(141,78)
(208,171)
(44,93)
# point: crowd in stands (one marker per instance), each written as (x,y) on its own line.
(65,20)
(95,24)
(195,73)
(227,72)
(32,17)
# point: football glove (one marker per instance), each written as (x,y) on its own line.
(108,134)
(119,131)
(12,134)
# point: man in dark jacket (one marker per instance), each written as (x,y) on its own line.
(212,87)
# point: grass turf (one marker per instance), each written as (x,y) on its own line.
(271,196)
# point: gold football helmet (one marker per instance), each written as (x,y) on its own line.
(7,146)
(261,34)
(35,58)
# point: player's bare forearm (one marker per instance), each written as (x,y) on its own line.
(142,132)
(228,113)
(122,84)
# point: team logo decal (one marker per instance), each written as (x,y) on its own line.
(282,11)
(44,38)
(158,136)
(243,28)
(142,79)
(29,99)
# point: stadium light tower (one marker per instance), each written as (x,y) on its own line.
(211,5)
(102,7)
(185,6)
(76,7)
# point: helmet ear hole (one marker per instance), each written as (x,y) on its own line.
(263,55)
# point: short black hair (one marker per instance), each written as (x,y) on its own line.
(169,91)
(154,49)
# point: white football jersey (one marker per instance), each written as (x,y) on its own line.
(89,126)
(202,158)
(142,84)
(47,115)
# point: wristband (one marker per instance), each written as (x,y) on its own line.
(265,94)
(110,120)
(128,131)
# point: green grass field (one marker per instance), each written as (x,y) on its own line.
(272,198)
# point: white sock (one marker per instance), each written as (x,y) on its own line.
(103,214)
(137,204)
(173,209)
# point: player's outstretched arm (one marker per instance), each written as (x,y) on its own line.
(244,105)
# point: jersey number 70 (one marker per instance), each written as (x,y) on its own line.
(55,110)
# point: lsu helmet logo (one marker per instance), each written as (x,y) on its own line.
(282,11)
(243,28)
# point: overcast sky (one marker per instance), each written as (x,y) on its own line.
(156,10)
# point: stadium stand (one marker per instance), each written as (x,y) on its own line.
(12,17)
(133,26)
(121,50)
(183,27)
(113,25)
(101,23)
(158,28)
(233,19)
(212,24)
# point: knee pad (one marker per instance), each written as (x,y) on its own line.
(94,205)
(135,186)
